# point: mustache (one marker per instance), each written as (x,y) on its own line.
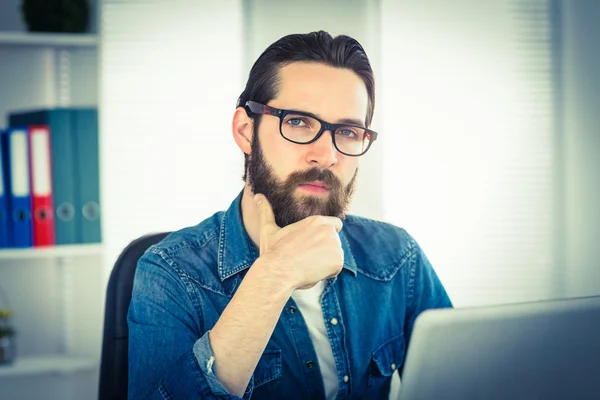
(314,174)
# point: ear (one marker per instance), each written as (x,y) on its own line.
(242,130)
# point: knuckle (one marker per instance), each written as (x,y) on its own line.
(329,234)
(324,228)
(315,219)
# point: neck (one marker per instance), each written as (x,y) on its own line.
(250,216)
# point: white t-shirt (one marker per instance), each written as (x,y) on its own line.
(309,303)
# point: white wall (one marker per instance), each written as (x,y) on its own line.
(467,105)
(170,76)
(581,132)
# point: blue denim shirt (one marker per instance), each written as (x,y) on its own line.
(183,284)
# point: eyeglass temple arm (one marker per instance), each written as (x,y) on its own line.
(258,108)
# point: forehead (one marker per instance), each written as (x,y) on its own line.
(328,92)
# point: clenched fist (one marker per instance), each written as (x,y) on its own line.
(303,253)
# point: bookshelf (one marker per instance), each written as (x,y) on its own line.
(57,299)
(57,292)
(48,39)
(54,364)
(53,252)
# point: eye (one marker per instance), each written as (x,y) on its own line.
(299,121)
(347,133)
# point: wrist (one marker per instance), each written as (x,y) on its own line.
(276,278)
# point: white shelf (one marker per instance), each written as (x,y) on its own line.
(49,39)
(60,251)
(58,364)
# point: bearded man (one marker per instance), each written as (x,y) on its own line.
(284,295)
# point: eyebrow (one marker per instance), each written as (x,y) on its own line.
(349,121)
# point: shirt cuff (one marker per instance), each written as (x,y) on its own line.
(206,360)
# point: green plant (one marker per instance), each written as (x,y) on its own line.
(5,328)
(56,15)
(5,314)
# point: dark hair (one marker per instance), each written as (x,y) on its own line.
(320,47)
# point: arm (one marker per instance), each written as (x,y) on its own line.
(168,349)
(170,357)
(247,323)
(425,290)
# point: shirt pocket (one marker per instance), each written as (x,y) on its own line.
(386,359)
(268,370)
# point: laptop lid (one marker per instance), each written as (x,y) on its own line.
(540,350)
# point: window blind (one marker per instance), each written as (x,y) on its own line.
(471,163)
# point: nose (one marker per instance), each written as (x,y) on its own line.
(322,152)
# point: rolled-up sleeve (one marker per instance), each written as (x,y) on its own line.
(170,356)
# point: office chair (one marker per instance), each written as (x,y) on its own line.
(113,367)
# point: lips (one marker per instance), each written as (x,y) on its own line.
(318,184)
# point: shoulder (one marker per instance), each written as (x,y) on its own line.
(188,254)
(379,248)
(192,237)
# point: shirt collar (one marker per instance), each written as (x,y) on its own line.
(237,252)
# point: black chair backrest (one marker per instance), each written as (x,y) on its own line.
(113,368)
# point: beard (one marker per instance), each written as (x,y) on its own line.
(287,208)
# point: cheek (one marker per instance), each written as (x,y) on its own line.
(282,156)
(347,168)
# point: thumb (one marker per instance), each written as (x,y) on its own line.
(265,211)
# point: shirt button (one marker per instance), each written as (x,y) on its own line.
(346,379)
(248,390)
(292,309)
(333,321)
(393,366)
(310,364)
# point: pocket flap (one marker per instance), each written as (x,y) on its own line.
(388,357)
(268,367)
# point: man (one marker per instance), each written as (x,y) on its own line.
(284,296)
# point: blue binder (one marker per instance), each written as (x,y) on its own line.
(87,178)
(63,166)
(3,196)
(19,192)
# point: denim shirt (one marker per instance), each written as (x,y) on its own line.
(183,284)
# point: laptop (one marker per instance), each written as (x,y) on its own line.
(540,350)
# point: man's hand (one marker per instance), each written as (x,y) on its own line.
(303,253)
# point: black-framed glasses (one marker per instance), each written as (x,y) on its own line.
(304,128)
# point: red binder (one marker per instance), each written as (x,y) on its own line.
(41,186)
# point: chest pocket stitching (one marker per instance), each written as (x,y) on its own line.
(268,367)
(390,352)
